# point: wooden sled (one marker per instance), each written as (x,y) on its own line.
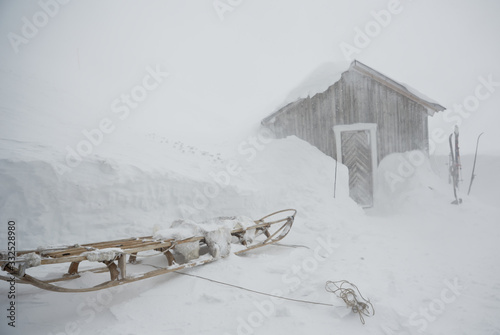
(268,230)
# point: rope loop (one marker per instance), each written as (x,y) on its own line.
(352,297)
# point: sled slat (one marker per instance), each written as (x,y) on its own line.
(116,264)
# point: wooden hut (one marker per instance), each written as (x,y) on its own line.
(361,117)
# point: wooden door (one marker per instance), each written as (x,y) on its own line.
(356,155)
(356,148)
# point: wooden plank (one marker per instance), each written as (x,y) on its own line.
(61,248)
(118,243)
(46,261)
(79,251)
(131,246)
(124,246)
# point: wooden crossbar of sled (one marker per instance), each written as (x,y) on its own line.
(268,230)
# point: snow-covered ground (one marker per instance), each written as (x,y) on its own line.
(426,265)
(80,162)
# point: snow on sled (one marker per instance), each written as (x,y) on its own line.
(185,244)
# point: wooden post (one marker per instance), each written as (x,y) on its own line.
(113,270)
(122,265)
(170,258)
(266,232)
(73,268)
(242,240)
(132,259)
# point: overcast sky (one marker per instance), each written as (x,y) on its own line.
(230,67)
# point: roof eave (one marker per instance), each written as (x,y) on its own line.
(432,107)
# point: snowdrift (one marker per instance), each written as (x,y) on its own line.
(121,196)
(405,254)
(408,180)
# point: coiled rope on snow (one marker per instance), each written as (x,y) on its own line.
(342,288)
(352,297)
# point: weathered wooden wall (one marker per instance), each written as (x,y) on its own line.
(356,98)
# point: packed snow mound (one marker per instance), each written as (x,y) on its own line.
(407,180)
(299,171)
(126,192)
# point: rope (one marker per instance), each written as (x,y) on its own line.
(348,294)
(291,245)
(254,291)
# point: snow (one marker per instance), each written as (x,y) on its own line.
(327,74)
(324,76)
(180,230)
(216,231)
(219,242)
(411,254)
(419,94)
(32,259)
(318,81)
(191,151)
(101,255)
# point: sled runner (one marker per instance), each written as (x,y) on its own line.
(209,241)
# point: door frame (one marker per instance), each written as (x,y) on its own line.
(372,128)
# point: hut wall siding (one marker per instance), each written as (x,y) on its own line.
(356,98)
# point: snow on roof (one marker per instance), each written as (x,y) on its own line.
(329,73)
(418,93)
(404,89)
(318,81)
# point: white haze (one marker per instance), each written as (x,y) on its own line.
(225,76)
